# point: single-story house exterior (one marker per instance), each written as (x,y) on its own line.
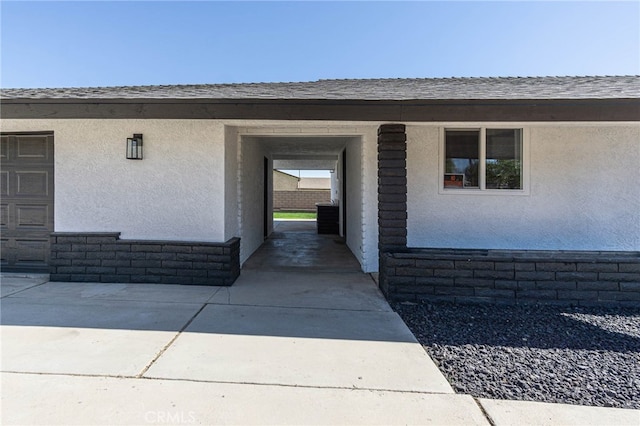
(470,189)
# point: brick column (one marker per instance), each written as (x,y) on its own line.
(392,195)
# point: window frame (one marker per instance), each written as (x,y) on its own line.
(482,168)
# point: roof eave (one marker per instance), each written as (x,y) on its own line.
(525,109)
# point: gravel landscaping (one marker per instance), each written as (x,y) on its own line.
(585,356)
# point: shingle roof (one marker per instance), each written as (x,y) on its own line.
(599,87)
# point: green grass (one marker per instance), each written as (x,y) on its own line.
(294,215)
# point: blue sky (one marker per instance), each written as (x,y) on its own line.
(61,44)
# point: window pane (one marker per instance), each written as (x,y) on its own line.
(461,158)
(504,159)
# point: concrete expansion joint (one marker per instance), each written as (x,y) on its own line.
(23,290)
(164,349)
(273,384)
(228,382)
(42,373)
(285,385)
(216,292)
(484,412)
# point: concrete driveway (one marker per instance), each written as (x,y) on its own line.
(276,348)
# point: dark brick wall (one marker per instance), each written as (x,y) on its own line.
(392,191)
(305,199)
(104,257)
(575,278)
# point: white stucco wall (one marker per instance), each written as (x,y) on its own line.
(584,193)
(354,198)
(339,197)
(370,198)
(231,202)
(174,193)
(252,156)
(335,184)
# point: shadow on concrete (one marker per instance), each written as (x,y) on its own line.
(298,284)
(273,303)
(304,312)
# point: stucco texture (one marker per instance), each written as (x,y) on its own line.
(174,193)
(583,193)
(252,196)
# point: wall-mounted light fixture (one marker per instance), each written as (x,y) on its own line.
(134,147)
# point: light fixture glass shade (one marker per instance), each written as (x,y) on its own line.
(134,147)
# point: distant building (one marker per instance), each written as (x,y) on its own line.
(284,181)
(294,193)
(314,183)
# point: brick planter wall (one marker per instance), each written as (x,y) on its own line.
(104,257)
(300,200)
(575,278)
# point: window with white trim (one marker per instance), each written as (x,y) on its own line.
(483,159)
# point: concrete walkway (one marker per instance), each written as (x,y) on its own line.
(278,347)
(75,353)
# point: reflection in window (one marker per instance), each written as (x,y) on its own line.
(462,158)
(504,159)
(483,159)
